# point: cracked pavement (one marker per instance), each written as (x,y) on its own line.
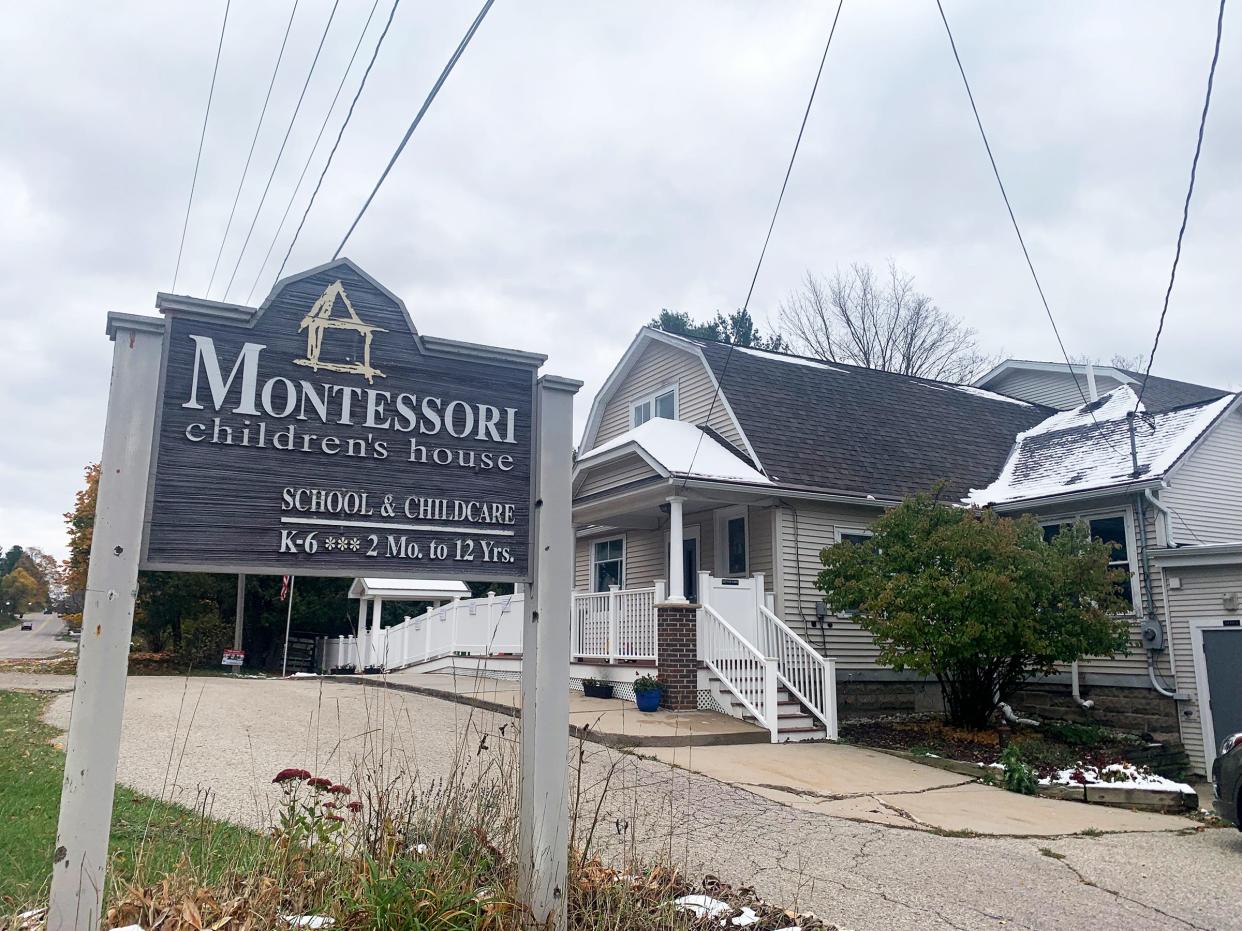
(887,875)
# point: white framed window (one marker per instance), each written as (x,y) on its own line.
(732,542)
(846,534)
(1116,530)
(607,564)
(662,403)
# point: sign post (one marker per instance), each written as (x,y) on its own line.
(543,822)
(321,434)
(94,742)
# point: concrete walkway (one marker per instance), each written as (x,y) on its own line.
(867,785)
(612,721)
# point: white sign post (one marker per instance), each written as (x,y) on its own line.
(81,855)
(543,824)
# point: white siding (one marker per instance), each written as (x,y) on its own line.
(804,531)
(1055,389)
(614,475)
(660,366)
(1198,598)
(1205,493)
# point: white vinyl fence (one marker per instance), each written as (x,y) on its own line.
(616,625)
(490,626)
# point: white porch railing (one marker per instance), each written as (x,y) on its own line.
(810,677)
(741,668)
(618,625)
(470,627)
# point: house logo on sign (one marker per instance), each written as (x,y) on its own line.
(320,319)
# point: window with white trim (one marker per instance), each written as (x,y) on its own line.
(852,534)
(1111,529)
(607,564)
(732,542)
(662,403)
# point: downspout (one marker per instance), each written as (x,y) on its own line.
(1165,513)
(1145,564)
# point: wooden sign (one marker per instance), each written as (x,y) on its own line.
(322,435)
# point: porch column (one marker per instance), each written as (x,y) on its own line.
(377,605)
(360,642)
(678,661)
(676,561)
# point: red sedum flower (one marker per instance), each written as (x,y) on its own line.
(291,775)
(339,789)
(355,807)
(318,782)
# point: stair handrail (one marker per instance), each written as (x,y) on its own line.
(766,718)
(825,709)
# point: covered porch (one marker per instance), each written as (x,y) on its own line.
(675,566)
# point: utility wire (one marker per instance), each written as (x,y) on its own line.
(201,136)
(293,119)
(314,148)
(340,133)
(435,89)
(1018,231)
(724,370)
(1194,167)
(249,155)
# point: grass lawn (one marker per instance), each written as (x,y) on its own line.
(31,769)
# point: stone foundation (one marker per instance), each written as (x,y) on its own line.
(1135,710)
(677,633)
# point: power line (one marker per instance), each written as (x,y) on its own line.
(201,136)
(1194,166)
(246,168)
(293,119)
(1012,219)
(314,148)
(340,133)
(461,47)
(724,370)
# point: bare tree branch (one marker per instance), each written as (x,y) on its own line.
(854,318)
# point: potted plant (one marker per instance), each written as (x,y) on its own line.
(647,693)
(596,688)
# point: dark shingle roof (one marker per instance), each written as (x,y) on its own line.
(840,428)
(1162,394)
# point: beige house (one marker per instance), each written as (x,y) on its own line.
(718,475)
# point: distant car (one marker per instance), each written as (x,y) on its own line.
(27,625)
(1227,779)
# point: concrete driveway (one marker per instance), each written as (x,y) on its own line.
(182,736)
(39,643)
(867,785)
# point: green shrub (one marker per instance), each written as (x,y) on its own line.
(204,637)
(647,684)
(1019,776)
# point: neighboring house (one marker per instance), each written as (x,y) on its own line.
(702,468)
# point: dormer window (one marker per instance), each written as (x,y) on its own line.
(661,404)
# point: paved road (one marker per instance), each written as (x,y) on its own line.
(182,736)
(41,642)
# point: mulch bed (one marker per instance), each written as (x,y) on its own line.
(1053,745)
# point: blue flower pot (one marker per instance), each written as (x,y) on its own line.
(647,701)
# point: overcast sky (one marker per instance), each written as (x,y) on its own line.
(589,163)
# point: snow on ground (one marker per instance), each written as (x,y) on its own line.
(1117,776)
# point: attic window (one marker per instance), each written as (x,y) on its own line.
(1112,530)
(662,403)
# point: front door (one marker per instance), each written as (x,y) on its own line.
(690,567)
(1222,658)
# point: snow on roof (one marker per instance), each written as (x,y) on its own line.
(990,395)
(792,360)
(409,589)
(680,447)
(1089,448)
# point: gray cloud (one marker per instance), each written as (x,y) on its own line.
(585,166)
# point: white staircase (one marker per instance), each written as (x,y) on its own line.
(793,721)
(758,669)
